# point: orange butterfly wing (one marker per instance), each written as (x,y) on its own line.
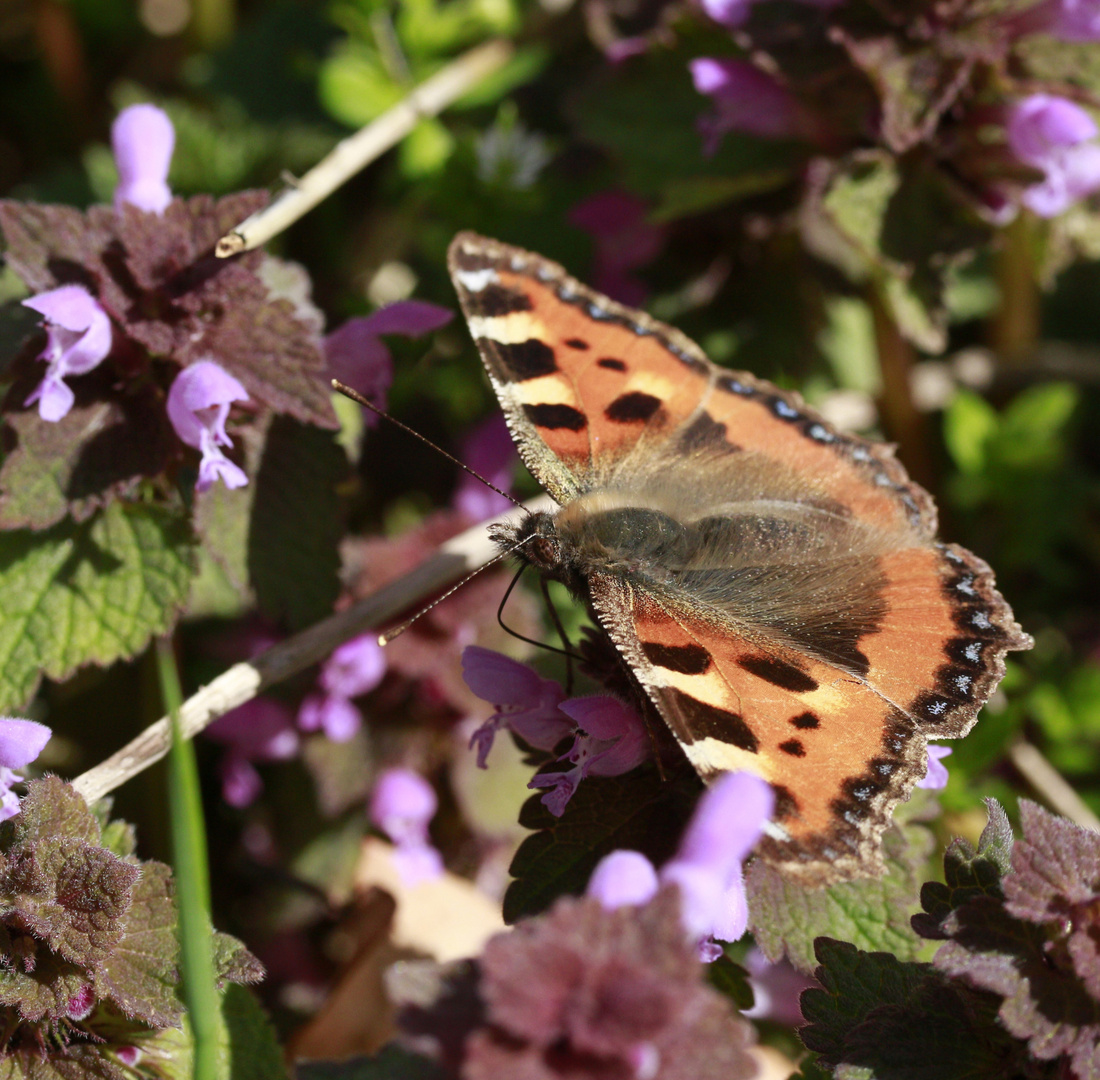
(832,700)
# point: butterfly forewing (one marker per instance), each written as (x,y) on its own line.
(792,614)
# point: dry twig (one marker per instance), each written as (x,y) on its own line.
(244,681)
(359,150)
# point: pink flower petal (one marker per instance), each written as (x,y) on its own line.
(21,741)
(623,879)
(410,318)
(143,139)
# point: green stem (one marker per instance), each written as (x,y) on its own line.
(1014,329)
(904,424)
(192,877)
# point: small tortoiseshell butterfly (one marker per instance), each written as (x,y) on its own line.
(774,584)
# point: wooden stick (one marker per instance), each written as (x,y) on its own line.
(244,681)
(359,150)
(1049,784)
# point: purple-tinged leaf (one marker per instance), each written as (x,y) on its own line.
(70,894)
(140,975)
(51,808)
(47,988)
(234,963)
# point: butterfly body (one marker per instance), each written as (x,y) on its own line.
(774,585)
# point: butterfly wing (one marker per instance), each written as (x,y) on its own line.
(829,690)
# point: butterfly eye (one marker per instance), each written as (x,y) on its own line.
(544,552)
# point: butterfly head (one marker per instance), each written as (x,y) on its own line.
(537,540)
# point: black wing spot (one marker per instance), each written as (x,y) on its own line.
(632,408)
(785,676)
(611,363)
(706,433)
(805,721)
(705,721)
(685,659)
(793,747)
(555,417)
(496,300)
(577,343)
(786,805)
(528,359)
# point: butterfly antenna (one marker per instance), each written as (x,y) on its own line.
(348,392)
(397,631)
(571,656)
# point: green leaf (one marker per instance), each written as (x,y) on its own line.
(879,1018)
(98,451)
(392,1062)
(873,913)
(251,1050)
(355,87)
(296,527)
(969,424)
(638,811)
(85,593)
(525,64)
(425,149)
(732,980)
(429,27)
(1032,429)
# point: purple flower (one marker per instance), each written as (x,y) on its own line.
(78,337)
(81,1003)
(357,356)
(623,879)
(1057,137)
(198,405)
(1070,20)
(490,452)
(777,989)
(21,741)
(936,777)
(1076,20)
(401,805)
(611,739)
(725,827)
(624,242)
(259,730)
(524,701)
(731,13)
(745,99)
(355,667)
(337,717)
(142,138)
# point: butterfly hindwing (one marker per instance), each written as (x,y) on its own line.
(805,624)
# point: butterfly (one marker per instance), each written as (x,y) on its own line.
(774,585)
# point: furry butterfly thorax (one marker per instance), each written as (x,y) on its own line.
(774,586)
